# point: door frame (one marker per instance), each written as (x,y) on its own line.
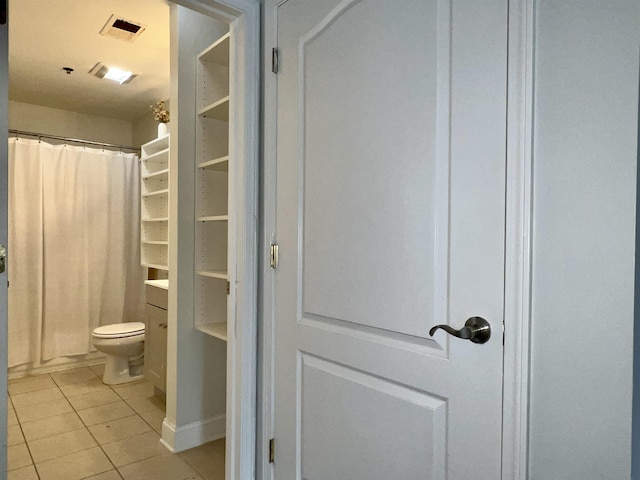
(4,230)
(243,17)
(519,205)
(517,242)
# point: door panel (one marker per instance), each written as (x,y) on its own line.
(390,220)
(414,435)
(339,198)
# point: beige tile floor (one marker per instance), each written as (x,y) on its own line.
(70,426)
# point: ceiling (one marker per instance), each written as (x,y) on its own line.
(47,35)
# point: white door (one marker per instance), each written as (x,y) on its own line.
(390,220)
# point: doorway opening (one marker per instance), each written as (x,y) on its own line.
(238,425)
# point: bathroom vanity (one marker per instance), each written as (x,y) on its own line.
(156,334)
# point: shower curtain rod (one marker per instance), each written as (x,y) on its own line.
(17,133)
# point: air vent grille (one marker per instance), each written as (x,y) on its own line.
(126,26)
(122,29)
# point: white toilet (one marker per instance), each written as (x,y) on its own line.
(124,345)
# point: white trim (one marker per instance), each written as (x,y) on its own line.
(244,19)
(264,470)
(177,439)
(518,242)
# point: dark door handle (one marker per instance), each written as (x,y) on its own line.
(476,329)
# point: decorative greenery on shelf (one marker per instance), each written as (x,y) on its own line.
(160,113)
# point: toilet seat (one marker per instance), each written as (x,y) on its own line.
(119,330)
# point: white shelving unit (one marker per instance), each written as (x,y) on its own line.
(154,203)
(212,190)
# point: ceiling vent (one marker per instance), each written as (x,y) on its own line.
(122,29)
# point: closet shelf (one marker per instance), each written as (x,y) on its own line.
(161,156)
(154,203)
(217,53)
(213,274)
(218,110)
(218,330)
(155,265)
(160,283)
(213,218)
(158,174)
(220,164)
(156,193)
(155,146)
(213,197)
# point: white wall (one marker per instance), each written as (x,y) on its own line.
(52,121)
(145,128)
(584,188)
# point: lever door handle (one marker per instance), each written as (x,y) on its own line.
(476,329)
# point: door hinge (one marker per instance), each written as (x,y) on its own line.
(273,256)
(272,450)
(228,288)
(3,258)
(274,60)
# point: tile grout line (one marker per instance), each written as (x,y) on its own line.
(192,465)
(129,402)
(84,425)
(58,386)
(26,443)
(142,418)
(137,414)
(179,454)
(89,431)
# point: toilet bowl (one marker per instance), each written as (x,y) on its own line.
(123,343)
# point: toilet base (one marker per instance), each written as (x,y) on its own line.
(116,371)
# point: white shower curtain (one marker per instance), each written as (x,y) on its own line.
(74,252)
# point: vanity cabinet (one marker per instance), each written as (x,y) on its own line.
(214,206)
(154,203)
(155,356)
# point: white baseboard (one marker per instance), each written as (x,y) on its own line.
(176,439)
